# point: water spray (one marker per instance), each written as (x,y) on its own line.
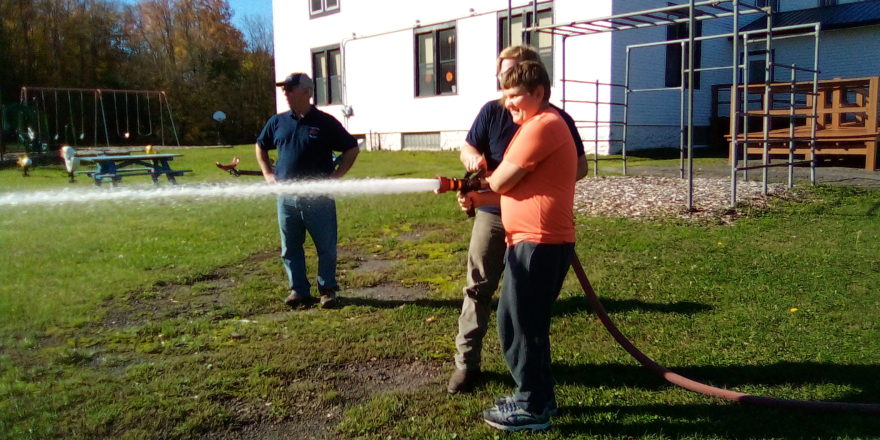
(325,187)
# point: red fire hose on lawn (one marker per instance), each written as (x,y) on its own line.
(698,387)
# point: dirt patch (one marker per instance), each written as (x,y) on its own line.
(193,297)
(389,292)
(349,385)
(373,265)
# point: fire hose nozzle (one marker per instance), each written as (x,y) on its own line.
(453,184)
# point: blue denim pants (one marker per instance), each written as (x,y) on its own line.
(317,215)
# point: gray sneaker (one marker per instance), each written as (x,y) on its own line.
(552,408)
(510,417)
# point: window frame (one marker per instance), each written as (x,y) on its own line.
(524,14)
(324,10)
(435,31)
(328,83)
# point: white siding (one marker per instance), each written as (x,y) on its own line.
(377,41)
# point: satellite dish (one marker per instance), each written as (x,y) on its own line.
(219,116)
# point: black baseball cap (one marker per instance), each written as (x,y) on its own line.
(296,79)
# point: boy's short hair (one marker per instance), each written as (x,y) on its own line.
(519,53)
(528,75)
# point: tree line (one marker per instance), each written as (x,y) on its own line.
(188,48)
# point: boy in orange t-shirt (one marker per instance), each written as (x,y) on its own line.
(535,181)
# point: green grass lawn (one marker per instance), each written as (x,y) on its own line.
(164,319)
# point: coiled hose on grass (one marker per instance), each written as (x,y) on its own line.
(692,385)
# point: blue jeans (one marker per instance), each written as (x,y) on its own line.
(317,215)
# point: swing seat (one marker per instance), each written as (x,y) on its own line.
(232,168)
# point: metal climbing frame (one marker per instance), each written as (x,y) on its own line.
(691,13)
(61,117)
(596,123)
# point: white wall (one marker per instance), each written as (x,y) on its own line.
(379,64)
(377,38)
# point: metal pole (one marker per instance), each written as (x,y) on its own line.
(95,94)
(509,22)
(690,116)
(815,106)
(768,101)
(104,117)
(596,128)
(625,108)
(745,81)
(734,104)
(791,145)
(681,131)
(564,42)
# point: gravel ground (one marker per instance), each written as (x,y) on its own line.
(657,196)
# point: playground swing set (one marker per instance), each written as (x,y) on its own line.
(48,117)
(51,119)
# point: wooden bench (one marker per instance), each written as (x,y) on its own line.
(846,123)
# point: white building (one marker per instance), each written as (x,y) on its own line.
(412,74)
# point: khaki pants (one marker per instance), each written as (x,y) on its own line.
(484,267)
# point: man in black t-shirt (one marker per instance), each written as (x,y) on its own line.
(487,141)
(305,139)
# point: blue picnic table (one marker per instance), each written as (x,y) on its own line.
(114,168)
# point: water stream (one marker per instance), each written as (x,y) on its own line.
(201,191)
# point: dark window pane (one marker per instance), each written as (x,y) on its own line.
(447,77)
(544,41)
(426,69)
(319,70)
(332,4)
(334,65)
(447,45)
(316,6)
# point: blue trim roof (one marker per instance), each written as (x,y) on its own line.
(831,17)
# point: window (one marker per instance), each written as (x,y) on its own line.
(757,66)
(524,18)
(319,8)
(435,61)
(326,69)
(420,141)
(774,4)
(674,53)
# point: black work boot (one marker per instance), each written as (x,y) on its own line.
(463,381)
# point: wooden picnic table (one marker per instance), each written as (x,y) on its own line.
(114,168)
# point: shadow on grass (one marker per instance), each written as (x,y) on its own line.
(564,307)
(730,421)
(727,420)
(394,303)
(579,304)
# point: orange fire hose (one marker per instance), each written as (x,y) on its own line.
(698,387)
